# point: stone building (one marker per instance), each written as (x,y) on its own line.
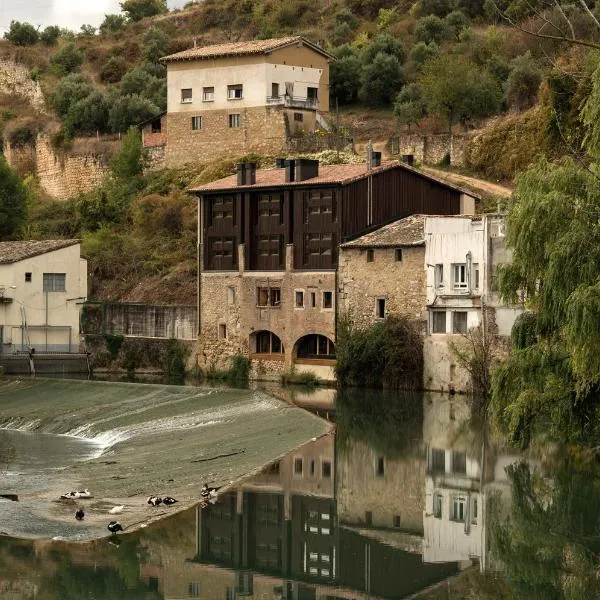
(268,254)
(381,273)
(233,99)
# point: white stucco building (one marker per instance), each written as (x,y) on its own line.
(42,284)
(462,254)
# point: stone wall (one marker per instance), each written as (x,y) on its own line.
(157,158)
(431,149)
(400,283)
(21,159)
(16,80)
(262,130)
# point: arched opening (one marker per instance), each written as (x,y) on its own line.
(314,347)
(265,345)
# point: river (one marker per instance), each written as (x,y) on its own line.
(409,497)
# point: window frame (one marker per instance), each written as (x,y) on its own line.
(398,255)
(28,277)
(272,294)
(185,99)
(222,331)
(299,294)
(438,275)
(236,87)
(476,276)
(460,282)
(458,502)
(327,305)
(298,117)
(196,120)
(370,255)
(234,120)
(380,303)
(58,285)
(433,322)
(207,94)
(456,329)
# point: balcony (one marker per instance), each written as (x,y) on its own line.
(293,102)
(5,297)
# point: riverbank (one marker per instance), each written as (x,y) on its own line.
(151,439)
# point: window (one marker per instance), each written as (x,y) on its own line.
(459,322)
(439,275)
(27,277)
(196,123)
(380,466)
(298,117)
(460,276)
(312,93)
(438,321)
(274,90)
(326,469)
(370,255)
(194,590)
(474,511)
(54,282)
(156,126)
(438,460)
(234,121)
(476,276)
(299,300)
(186,96)
(398,254)
(396,521)
(312,467)
(235,92)
(368,518)
(459,463)
(268,343)
(313,299)
(459,508)
(327,299)
(208,94)
(230,295)
(438,501)
(268,296)
(298,466)
(380,308)
(222,331)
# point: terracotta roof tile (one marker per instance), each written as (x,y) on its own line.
(409,231)
(11,252)
(241,49)
(266,178)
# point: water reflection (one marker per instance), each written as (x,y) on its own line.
(405,496)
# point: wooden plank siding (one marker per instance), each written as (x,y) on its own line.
(315,219)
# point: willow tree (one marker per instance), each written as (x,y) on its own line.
(553,379)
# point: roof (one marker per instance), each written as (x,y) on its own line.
(409,231)
(267,178)
(151,119)
(253,47)
(12,252)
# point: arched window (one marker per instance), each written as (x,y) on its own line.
(315,346)
(266,342)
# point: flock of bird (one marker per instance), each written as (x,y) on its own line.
(208,494)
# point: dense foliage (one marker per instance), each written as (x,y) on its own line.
(13,203)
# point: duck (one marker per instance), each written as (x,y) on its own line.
(116,510)
(114,527)
(155,500)
(209,492)
(79,514)
(169,501)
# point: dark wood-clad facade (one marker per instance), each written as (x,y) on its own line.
(315,217)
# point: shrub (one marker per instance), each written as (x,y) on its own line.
(174,364)
(89,115)
(13,202)
(383,43)
(457,21)
(439,8)
(129,161)
(113,344)
(304,378)
(157,213)
(381,80)
(523,82)
(67,59)
(70,89)
(156,44)
(143,82)
(112,24)
(345,79)
(432,29)
(138,9)
(22,34)
(129,111)
(113,70)
(50,35)
(410,106)
(422,52)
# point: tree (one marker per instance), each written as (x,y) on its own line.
(141,83)
(70,89)
(439,8)
(138,9)
(421,52)
(113,70)
(13,202)
(344,79)
(67,59)
(432,29)
(50,35)
(457,90)
(88,115)
(410,106)
(456,22)
(129,162)
(22,34)
(112,24)
(381,80)
(156,44)
(523,82)
(383,43)
(128,111)
(88,30)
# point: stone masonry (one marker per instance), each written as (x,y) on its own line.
(262,130)
(400,283)
(16,80)
(431,149)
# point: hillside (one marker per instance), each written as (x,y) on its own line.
(426,67)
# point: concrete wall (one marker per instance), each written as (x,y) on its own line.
(431,149)
(58,310)
(400,283)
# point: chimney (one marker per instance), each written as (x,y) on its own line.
(241,173)
(375,159)
(306,169)
(280,163)
(250,173)
(408,159)
(290,170)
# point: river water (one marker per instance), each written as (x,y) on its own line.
(409,497)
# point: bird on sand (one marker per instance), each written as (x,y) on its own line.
(114,527)
(169,501)
(116,510)
(155,500)
(79,514)
(208,492)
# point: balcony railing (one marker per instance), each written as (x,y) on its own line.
(293,102)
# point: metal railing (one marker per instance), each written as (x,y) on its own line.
(293,102)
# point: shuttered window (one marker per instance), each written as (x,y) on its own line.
(55,282)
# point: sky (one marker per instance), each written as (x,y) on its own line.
(66,13)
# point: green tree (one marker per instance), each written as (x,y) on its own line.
(143,83)
(88,30)
(50,35)
(138,9)
(432,29)
(439,8)
(70,89)
(421,52)
(410,106)
(381,80)
(523,82)
(113,70)
(67,59)
(129,162)
(112,24)
(457,21)
(457,90)
(344,79)
(156,44)
(128,111)
(22,34)
(88,115)
(383,43)
(13,202)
